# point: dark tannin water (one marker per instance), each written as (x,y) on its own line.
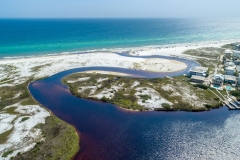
(108,132)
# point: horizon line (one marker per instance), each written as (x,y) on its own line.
(115,18)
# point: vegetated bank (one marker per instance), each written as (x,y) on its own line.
(141,94)
(57,140)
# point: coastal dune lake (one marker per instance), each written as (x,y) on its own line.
(108,132)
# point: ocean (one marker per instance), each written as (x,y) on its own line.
(28,37)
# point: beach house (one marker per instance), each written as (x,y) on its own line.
(238,69)
(229,71)
(218,79)
(236,46)
(230,65)
(236,54)
(229,68)
(237,62)
(230,79)
(198,71)
(228,53)
(197,79)
(239,79)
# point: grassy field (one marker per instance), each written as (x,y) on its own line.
(208,52)
(61,140)
(228,46)
(177,90)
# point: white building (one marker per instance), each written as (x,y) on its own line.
(198,71)
(230,79)
(237,62)
(230,65)
(239,79)
(236,54)
(218,79)
(228,53)
(197,79)
(229,71)
(236,46)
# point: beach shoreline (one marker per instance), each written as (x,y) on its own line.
(165,49)
(45,66)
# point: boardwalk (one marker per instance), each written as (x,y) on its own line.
(229,101)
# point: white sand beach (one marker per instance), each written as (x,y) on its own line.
(15,71)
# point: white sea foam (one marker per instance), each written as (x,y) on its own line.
(129,49)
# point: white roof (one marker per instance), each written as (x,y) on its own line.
(228,51)
(197,77)
(236,52)
(228,77)
(230,68)
(199,69)
(229,64)
(216,76)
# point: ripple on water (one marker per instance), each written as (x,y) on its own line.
(108,132)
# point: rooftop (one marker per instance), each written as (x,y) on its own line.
(199,69)
(230,68)
(229,64)
(228,51)
(238,68)
(198,78)
(231,78)
(216,76)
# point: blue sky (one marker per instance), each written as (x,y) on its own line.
(119,9)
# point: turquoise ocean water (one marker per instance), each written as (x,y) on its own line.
(27,37)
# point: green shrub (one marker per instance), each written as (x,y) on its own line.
(145,97)
(24,119)
(235,93)
(203,86)
(166,106)
(5,154)
(208,106)
(104,99)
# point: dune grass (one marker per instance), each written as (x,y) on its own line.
(61,138)
(4,136)
(126,98)
(61,141)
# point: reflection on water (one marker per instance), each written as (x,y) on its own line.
(108,132)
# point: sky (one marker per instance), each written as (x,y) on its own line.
(119,9)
